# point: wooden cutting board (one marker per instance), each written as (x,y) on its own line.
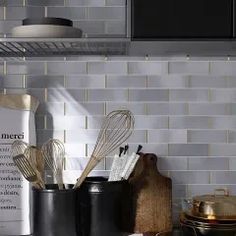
(151,198)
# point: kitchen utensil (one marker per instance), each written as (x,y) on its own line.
(18,147)
(129,166)
(197,228)
(114,173)
(220,205)
(118,165)
(102,206)
(47,21)
(34,156)
(46,31)
(27,170)
(126,149)
(116,129)
(54,211)
(151,204)
(54,152)
(198,221)
(140,147)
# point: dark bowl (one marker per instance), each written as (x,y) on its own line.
(47,21)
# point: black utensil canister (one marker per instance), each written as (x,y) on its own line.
(54,211)
(101,207)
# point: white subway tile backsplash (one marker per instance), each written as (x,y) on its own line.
(223,177)
(138,136)
(7,25)
(232,163)
(45,3)
(38,93)
(44,135)
(158,149)
(66,122)
(11,3)
(189,95)
(43,81)
(136,108)
(126,81)
(189,68)
(84,108)
(85,81)
(209,109)
(179,191)
(188,149)
(107,13)
(223,122)
(167,108)
(94,122)
(222,149)
(81,136)
(91,27)
(115,2)
(167,136)
(73,13)
(65,95)
(148,67)
(17,68)
(75,150)
(172,163)
(107,67)
(223,95)
(51,108)
(11,81)
(190,177)
(148,95)
(62,68)
(189,122)
(97,3)
(151,122)
(224,68)
(168,81)
(108,95)
(231,82)
(232,136)
(207,136)
(80,163)
(19,13)
(116,28)
(232,108)
(208,163)
(207,82)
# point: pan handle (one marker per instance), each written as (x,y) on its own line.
(224,192)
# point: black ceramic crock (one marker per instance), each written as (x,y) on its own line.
(102,207)
(54,211)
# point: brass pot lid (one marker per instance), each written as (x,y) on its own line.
(215,206)
(216,198)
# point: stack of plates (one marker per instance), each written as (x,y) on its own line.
(47,27)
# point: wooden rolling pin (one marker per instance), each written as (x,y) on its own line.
(151,198)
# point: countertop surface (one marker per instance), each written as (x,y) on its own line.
(175,232)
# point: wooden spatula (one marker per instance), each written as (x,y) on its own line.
(27,170)
(151,198)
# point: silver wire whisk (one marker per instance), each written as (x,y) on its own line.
(116,129)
